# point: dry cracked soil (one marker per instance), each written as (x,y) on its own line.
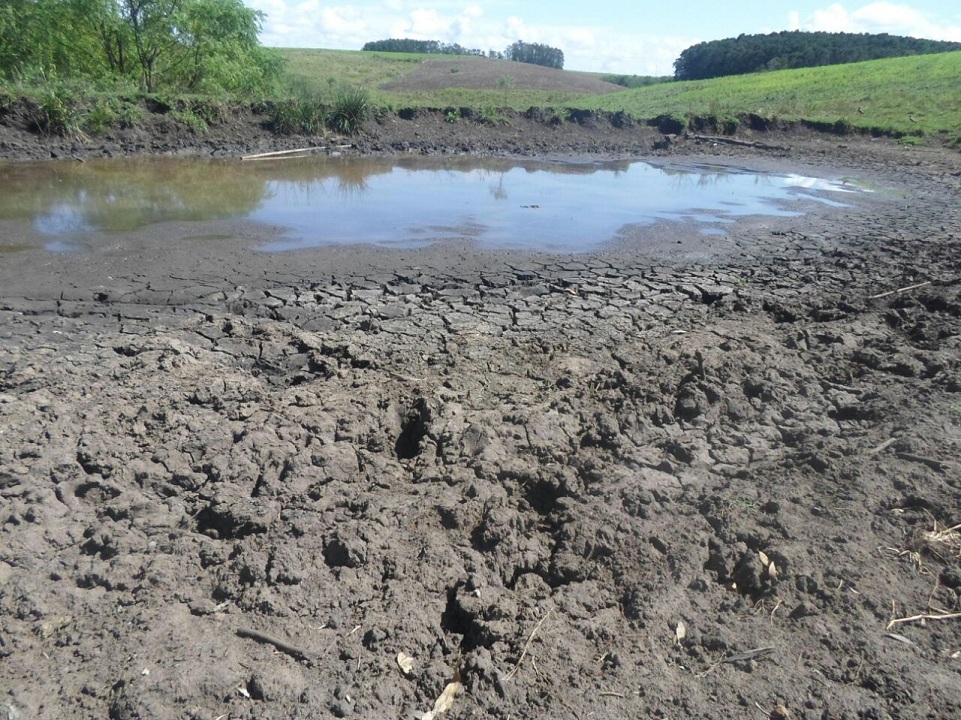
(644,482)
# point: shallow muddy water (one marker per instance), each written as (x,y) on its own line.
(310,202)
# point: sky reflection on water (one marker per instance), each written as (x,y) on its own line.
(401,203)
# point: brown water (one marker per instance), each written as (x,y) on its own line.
(494,203)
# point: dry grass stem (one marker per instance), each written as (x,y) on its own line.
(527,645)
(924,616)
(889,293)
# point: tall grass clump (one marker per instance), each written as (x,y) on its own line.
(58,113)
(298,116)
(350,109)
(302,113)
(102,116)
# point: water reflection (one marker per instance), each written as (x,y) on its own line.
(407,202)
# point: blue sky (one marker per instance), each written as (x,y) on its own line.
(602,35)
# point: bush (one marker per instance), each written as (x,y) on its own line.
(102,117)
(491,116)
(351,108)
(57,114)
(212,112)
(302,115)
(192,120)
(7,98)
(129,114)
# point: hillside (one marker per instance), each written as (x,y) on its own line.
(485,74)
(910,96)
(790,50)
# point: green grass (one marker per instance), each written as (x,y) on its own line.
(915,96)
(322,71)
(889,94)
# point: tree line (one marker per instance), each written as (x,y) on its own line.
(795,49)
(193,45)
(535,54)
(519,51)
(424,47)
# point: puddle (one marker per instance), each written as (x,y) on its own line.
(402,203)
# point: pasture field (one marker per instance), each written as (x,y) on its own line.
(909,96)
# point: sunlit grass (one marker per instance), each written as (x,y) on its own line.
(323,69)
(320,71)
(909,95)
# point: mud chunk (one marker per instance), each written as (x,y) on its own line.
(483,615)
(691,402)
(250,567)
(803,610)
(951,577)
(285,567)
(345,550)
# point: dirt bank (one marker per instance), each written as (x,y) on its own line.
(536,132)
(627,484)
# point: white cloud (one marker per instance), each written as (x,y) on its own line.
(516,29)
(339,20)
(426,25)
(878,17)
(315,24)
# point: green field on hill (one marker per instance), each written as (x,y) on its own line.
(321,70)
(909,96)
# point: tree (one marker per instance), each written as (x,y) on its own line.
(795,49)
(428,47)
(196,45)
(535,54)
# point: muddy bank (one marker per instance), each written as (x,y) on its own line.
(537,132)
(626,484)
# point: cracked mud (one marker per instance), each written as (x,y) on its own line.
(625,484)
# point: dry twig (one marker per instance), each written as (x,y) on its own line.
(282,645)
(922,617)
(889,293)
(527,645)
(930,462)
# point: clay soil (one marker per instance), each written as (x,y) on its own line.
(673,479)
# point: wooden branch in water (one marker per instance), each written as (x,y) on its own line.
(279,153)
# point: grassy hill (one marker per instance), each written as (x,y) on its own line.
(908,95)
(470,81)
(914,96)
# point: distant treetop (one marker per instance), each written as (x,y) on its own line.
(789,50)
(427,47)
(533,53)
